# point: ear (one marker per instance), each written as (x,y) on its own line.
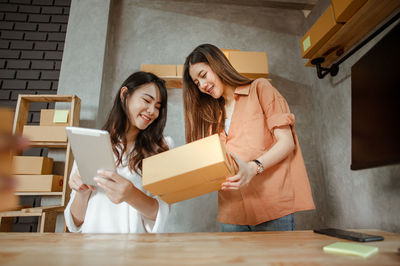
(123,92)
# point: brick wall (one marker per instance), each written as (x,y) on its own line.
(32,35)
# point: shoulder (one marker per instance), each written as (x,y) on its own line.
(262,84)
(264,90)
(170,142)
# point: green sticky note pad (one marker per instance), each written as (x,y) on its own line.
(351,249)
(60,116)
(306,43)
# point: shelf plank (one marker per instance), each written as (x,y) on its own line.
(39,193)
(49,144)
(19,214)
(48,98)
(43,209)
(365,20)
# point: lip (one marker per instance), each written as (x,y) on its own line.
(146,118)
(210,90)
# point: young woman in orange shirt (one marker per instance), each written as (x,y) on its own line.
(254,121)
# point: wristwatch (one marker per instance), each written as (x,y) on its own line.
(260,167)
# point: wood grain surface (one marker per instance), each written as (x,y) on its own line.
(255,248)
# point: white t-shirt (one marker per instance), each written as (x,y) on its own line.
(103,216)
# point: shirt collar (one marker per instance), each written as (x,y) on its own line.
(243,90)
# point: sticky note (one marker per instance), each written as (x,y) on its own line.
(306,43)
(60,116)
(351,249)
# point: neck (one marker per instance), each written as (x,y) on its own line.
(228,94)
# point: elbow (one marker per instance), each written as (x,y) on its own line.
(156,206)
(290,146)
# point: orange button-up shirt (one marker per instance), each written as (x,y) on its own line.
(281,189)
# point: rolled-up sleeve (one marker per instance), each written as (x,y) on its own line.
(158,225)
(275,107)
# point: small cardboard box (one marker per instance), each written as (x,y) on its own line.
(39,183)
(32,165)
(51,117)
(345,9)
(160,70)
(319,33)
(188,171)
(45,133)
(249,64)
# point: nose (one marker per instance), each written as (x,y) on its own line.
(151,109)
(202,85)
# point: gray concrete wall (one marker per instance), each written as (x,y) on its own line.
(354,199)
(162,32)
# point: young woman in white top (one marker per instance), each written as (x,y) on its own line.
(119,204)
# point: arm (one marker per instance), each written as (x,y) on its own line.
(279,151)
(119,189)
(80,202)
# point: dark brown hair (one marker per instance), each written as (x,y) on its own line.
(204,114)
(149,141)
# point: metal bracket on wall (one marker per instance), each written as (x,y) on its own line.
(334,69)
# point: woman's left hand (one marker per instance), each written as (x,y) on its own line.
(246,172)
(116,187)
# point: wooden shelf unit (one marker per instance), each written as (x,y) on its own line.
(47,215)
(364,21)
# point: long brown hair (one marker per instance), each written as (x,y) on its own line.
(149,141)
(203,113)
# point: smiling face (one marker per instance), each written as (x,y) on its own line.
(143,105)
(206,80)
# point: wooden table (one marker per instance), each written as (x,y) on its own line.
(261,248)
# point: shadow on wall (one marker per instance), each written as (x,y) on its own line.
(299,98)
(276,17)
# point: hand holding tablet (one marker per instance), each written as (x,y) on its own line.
(92,152)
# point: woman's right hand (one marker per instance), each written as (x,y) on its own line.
(76,183)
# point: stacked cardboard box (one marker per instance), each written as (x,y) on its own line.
(319,33)
(188,171)
(344,10)
(250,64)
(33,173)
(51,128)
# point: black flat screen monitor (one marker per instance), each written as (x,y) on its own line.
(375,104)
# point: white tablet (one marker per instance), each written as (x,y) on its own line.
(92,151)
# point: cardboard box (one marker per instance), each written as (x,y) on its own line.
(32,165)
(45,133)
(226,51)
(345,9)
(39,183)
(188,171)
(319,33)
(249,64)
(160,70)
(51,117)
